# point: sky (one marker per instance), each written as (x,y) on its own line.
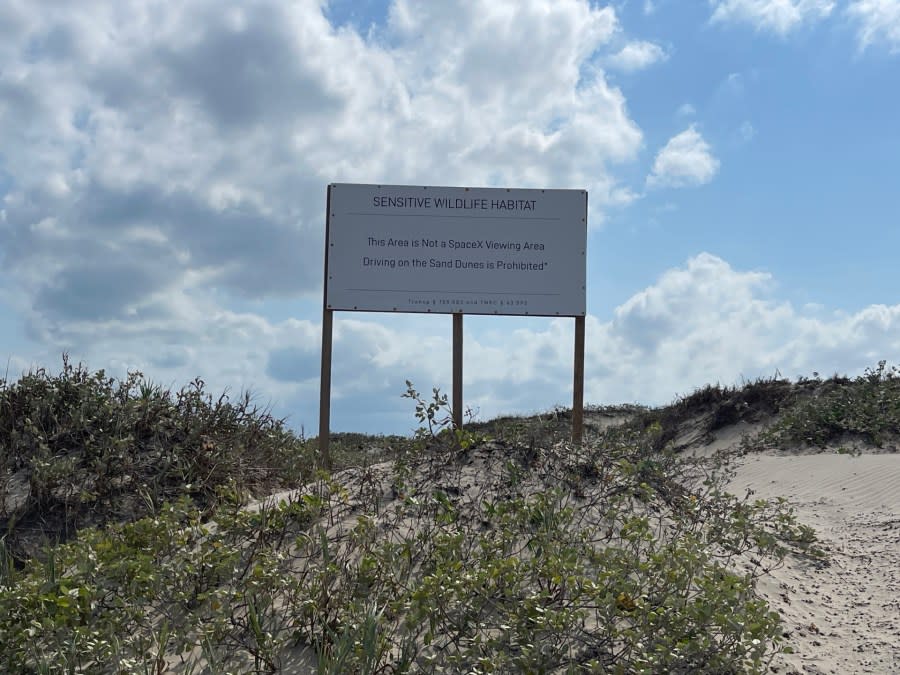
(163,173)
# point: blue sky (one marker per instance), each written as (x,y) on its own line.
(163,170)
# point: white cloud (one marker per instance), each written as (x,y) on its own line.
(163,159)
(701,322)
(707,322)
(686,160)
(733,84)
(879,21)
(163,174)
(779,16)
(686,110)
(637,56)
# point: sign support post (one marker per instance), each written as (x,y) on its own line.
(325,390)
(325,374)
(457,370)
(578,383)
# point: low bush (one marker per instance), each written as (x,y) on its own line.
(866,407)
(463,555)
(500,548)
(714,407)
(83,449)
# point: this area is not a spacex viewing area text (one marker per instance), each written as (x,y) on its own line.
(394,248)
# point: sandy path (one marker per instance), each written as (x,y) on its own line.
(844,617)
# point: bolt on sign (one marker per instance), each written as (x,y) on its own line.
(449,250)
(454,250)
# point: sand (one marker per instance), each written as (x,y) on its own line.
(843,617)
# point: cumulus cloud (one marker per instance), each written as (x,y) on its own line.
(879,22)
(162,183)
(701,322)
(778,16)
(707,322)
(158,158)
(686,160)
(637,56)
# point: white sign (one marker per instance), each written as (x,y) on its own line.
(395,248)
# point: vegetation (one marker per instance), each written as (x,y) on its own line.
(497,549)
(81,449)
(715,407)
(866,408)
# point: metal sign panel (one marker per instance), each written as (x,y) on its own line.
(396,248)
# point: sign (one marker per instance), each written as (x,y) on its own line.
(394,248)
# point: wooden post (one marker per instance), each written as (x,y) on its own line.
(457,370)
(325,390)
(578,384)
(325,373)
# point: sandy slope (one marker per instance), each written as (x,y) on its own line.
(843,617)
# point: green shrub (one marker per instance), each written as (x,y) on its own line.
(463,555)
(93,450)
(867,407)
(149,592)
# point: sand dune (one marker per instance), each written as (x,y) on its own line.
(841,616)
(840,611)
